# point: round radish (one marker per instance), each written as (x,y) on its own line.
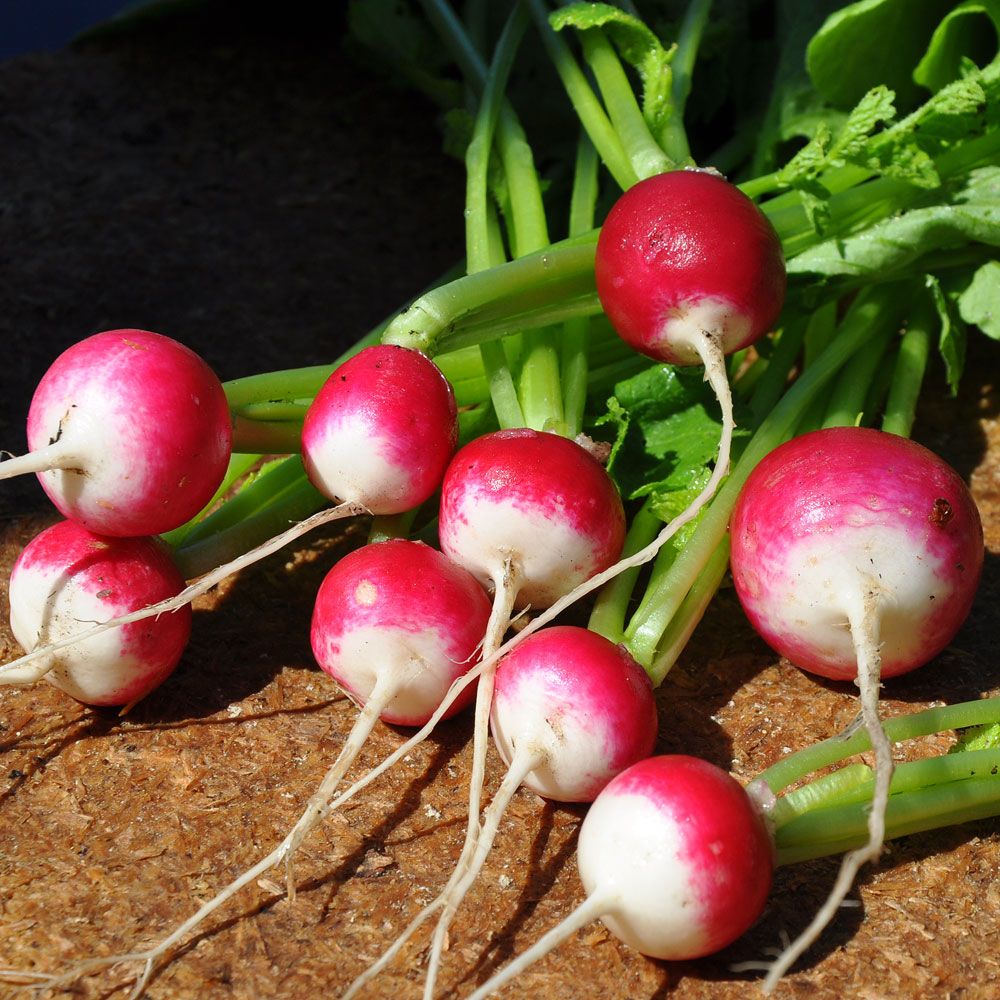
(687,252)
(399,618)
(129,432)
(66,576)
(536,499)
(381,430)
(579,702)
(845,512)
(856,553)
(676,862)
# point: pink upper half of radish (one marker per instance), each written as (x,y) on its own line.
(838,513)
(581,699)
(687,248)
(381,430)
(401,609)
(68,578)
(537,498)
(146,429)
(680,853)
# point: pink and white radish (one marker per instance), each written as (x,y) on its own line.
(395,623)
(380,431)
(856,554)
(675,859)
(688,270)
(68,575)
(570,711)
(129,432)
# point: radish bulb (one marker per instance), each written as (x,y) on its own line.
(856,554)
(380,431)
(688,270)
(570,711)
(129,433)
(675,859)
(67,575)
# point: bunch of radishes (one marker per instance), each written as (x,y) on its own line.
(855,552)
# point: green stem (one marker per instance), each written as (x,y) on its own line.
(909,812)
(585,103)
(911,364)
(294,503)
(903,727)
(850,391)
(611,606)
(479,242)
(645,155)
(674,139)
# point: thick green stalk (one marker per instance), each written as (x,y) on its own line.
(645,155)
(843,828)
(674,139)
(796,766)
(911,364)
(588,108)
(850,391)
(479,228)
(575,334)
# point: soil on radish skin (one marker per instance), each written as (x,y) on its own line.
(248,189)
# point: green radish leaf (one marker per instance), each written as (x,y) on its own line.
(964,37)
(951,342)
(869,43)
(636,44)
(894,246)
(985,737)
(667,429)
(979,303)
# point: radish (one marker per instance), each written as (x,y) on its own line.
(570,711)
(688,270)
(395,623)
(67,575)
(380,431)
(856,554)
(675,859)
(129,432)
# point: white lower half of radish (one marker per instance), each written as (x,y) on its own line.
(409,662)
(551,556)
(810,598)
(653,903)
(344,461)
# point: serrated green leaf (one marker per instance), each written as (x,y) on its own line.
(951,342)
(894,246)
(979,304)
(875,108)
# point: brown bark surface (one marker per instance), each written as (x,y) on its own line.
(252,192)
